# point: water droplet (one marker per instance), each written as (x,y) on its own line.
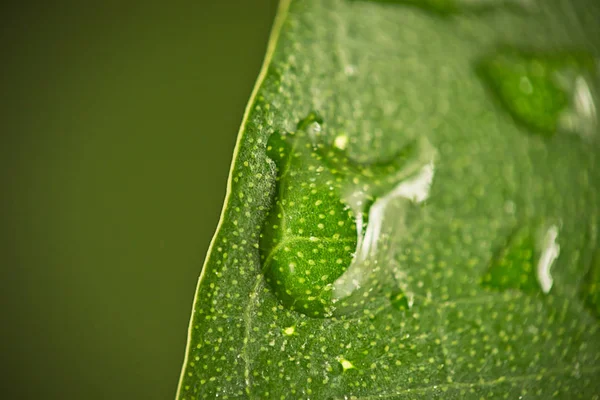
(544,92)
(311,124)
(328,217)
(302,253)
(525,261)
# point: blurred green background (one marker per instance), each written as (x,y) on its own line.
(118,122)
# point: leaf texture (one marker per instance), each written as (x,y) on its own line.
(395,225)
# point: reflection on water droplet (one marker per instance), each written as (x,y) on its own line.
(583,98)
(324,241)
(550,252)
(413,190)
(581,118)
(545,92)
(525,261)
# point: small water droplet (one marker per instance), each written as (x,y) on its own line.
(311,124)
(525,261)
(544,92)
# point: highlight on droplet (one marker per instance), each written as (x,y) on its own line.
(550,252)
(525,261)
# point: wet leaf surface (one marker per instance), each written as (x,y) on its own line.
(396,226)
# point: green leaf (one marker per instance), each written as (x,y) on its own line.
(412,210)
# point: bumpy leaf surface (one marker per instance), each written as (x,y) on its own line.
(412,210)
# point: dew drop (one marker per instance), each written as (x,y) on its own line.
(544,92)
(299,249)
(525,262)
(322,253)
(311,124)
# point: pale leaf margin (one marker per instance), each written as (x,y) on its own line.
(280,17)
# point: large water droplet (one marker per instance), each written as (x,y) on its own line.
(327,218)
(309,236)
(544,92)
(525,261)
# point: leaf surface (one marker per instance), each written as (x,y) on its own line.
(412,210)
